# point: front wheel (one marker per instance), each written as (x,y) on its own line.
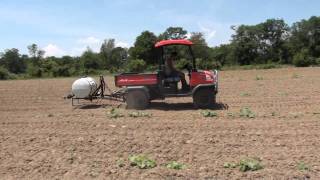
(204,98)
(137,99)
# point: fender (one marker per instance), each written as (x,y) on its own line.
(206,86)
(140,88)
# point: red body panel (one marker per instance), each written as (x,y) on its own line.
(135,79)
(202,77)
(173,42)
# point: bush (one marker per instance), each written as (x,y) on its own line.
(5,74)
(208,64)
(136,65)
(303,59)
(61,71)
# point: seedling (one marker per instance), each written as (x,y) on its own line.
(295,76)
(207,113)
(142,161)
(120,162)
(137,114)
(231,114)
(244,94)
(258,78)
(283,94)
(176,165)
(230,165)
(250,164)
(114,113)
(303,167)
(246,112)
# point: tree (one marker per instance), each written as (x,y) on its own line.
(35,68)
(11,60)
(200,48)
(246,42)
(118,55)
(144,48)
(274,34)
(35,52)
(306,34)
(174,33)
(90,61)
(261,43)
(105,51)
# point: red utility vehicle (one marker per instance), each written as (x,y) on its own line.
(140,89)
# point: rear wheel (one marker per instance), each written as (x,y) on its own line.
(204,98)
(137,99)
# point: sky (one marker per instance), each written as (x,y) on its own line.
(68,27)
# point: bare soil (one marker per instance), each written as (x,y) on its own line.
(43,137)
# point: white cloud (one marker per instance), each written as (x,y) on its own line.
(208,32)
(91,40)
(122,44)
(53,50)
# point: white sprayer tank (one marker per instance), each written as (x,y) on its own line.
(84,87)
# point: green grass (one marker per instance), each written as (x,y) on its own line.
(208,113)
(176,165)
(255,66)
(137,114)
(247,113)
(142,161)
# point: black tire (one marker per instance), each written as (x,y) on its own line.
(137,99)
(204,98)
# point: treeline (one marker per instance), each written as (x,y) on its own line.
(271,42)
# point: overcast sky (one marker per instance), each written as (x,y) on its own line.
(67,27)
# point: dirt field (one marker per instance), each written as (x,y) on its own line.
(43,137)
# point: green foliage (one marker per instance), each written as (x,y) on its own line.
(13,61)
(182,63)
(4,73)
(303,59)
(208,113)
(144,48)
(250,164)
(176,165)
(246,112)
(114,113)
(174,33)
(137,114)
(142,161)
(303,166)
(136,65)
